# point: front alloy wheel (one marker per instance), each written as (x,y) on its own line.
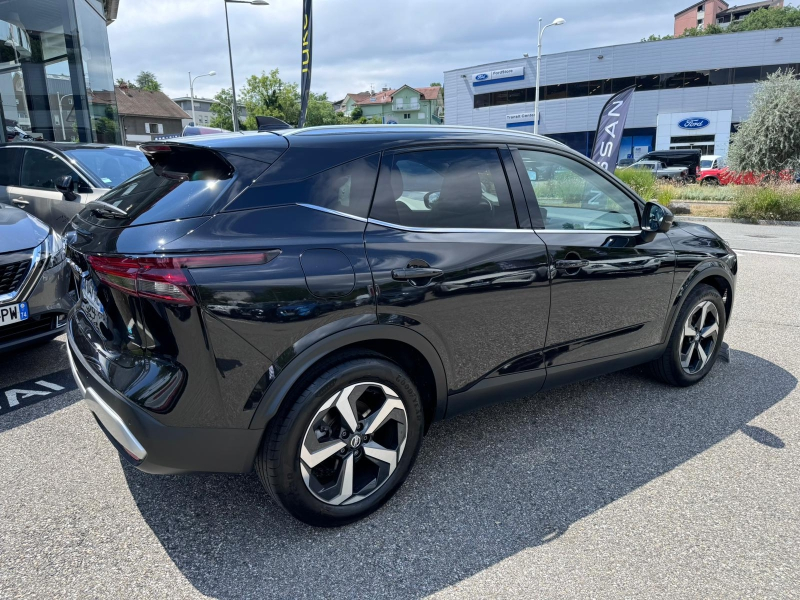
(353,443)
(700,333)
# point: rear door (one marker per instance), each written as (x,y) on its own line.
(611,285)
(37,193)
(454,258)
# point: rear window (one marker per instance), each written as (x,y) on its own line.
(163,198)
(346,188)
(110,166)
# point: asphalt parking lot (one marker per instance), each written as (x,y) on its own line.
(617,487)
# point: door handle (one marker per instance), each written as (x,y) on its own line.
(20,202)
(571,264)
(415,273)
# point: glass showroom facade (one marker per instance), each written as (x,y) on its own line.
(55,71)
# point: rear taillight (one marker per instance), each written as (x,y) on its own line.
(164,277)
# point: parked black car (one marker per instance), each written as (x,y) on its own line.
(53,180)
(308,302)
(34,281)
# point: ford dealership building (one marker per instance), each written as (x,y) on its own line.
(690,92)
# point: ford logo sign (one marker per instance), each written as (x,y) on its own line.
(482,77)
(694,123)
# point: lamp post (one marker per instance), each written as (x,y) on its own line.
(61,115)
(558,21)
(230,53)
(191,90)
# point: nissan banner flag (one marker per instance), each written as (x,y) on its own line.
(609,129)
(305,81)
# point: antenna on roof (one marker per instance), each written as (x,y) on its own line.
(371,89)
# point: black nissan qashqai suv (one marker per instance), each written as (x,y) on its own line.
(307,303)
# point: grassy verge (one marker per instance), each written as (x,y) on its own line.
(774,202)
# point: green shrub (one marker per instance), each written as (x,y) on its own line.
(640,181)
(779,202)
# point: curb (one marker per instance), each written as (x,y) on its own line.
(740,221)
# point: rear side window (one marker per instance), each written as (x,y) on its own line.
(346,188)
(9,166)
(456,189)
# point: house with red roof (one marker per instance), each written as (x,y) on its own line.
(404,105)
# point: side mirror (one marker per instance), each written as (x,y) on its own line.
(656,218)
(64,185)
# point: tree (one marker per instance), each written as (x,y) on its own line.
(124,83)
(222,110)
(320,111)
(769,139)
(147,81)
(763,18)
(357,112)
(267,95)
(435,84)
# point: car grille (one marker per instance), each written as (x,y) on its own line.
(12,275)
(25,329)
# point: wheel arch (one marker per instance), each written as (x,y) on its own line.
(412,351)
(709,273)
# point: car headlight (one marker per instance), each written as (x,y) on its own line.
(53,250)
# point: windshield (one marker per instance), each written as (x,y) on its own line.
(111,166)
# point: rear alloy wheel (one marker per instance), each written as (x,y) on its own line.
(695,339)
(354,443)
(345,444)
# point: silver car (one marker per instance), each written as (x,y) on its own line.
(661,170)
(35,281)
(53,180)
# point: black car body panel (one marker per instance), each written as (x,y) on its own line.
(478,314)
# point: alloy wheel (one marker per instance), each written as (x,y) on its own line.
(699,337)
(354,443)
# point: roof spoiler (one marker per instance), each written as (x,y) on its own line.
(185,162)
(271,124)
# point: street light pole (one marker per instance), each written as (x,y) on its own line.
(558,21)
(191,90)
(230,52)
(61,115)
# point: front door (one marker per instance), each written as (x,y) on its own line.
(37,191)
(450,261)
(611,285)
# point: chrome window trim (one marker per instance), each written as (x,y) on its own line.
(602,231)
(23,291)
(332,212)
(445,229)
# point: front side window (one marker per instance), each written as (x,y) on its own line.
(444,189)
(572,196)
(41,170)
(9,166)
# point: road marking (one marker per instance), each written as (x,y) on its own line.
(26,393)
(766,253)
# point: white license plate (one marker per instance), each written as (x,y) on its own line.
(13,314)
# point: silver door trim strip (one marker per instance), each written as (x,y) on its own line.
(445,229)
(332,212)
(600,231)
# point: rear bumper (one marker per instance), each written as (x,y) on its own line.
(154,447)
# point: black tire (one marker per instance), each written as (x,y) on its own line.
(278,461)
(668,367)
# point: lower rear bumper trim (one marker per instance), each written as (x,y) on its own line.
(114,424)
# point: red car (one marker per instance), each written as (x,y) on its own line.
(713,171)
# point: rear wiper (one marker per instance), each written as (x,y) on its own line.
(110,208)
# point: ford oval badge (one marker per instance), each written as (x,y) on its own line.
(481,76)
(694,123)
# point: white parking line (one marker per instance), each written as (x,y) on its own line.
(765,253)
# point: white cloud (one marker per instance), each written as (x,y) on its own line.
(360,43)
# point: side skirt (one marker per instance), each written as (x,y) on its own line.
(493,390)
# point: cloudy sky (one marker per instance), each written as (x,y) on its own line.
(363,42)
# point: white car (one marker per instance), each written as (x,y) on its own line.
(661,171)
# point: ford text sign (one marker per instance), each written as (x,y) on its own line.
(694,123)
(499,76)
